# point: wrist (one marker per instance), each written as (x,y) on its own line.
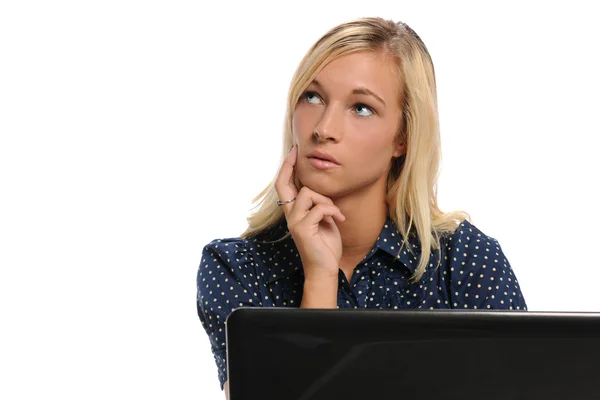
(321,276)
(320,293)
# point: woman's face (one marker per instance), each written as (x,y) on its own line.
(350,111)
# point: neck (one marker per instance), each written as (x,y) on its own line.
(366,213)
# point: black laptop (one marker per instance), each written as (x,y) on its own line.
(308,354)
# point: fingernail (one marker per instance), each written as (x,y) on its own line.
(291,149)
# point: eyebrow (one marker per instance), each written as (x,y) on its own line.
(358,90)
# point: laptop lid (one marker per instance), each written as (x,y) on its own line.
(308,354)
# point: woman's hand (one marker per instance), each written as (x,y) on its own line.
(312,221)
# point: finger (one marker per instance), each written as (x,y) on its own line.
(305,201)
(284,184)
(330,221)
(317,214)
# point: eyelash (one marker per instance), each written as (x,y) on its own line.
(313,93)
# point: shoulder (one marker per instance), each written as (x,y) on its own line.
(469,251)
(226,255)
(479,273)
(468,239)
(237,251)
(467,230)
(225,247)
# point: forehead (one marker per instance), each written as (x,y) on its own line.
(374,71)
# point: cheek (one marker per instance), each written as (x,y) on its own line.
(374,139)
(298,124)
(304,120)
(373,148)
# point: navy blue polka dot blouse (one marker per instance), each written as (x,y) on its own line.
(473,274)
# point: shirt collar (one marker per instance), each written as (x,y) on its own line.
(389,241)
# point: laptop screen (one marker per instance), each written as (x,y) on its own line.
(288,353)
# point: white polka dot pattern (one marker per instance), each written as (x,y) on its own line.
(473,273)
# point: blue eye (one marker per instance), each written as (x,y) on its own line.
(364,108)
(308,95)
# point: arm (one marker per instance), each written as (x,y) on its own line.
(312,220)
(225,281)
(320,293)
(482,277)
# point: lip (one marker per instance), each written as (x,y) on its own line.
(322,164)
(316,155)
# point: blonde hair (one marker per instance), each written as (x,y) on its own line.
(412,180)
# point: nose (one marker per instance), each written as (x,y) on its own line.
(330,126)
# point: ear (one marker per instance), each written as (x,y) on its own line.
(399,150)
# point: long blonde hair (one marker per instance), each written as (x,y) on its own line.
(412,180)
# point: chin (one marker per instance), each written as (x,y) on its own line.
(336,185)
(323,184)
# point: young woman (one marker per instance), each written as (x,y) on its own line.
(352,220)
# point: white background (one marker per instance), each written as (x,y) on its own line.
(134,132)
